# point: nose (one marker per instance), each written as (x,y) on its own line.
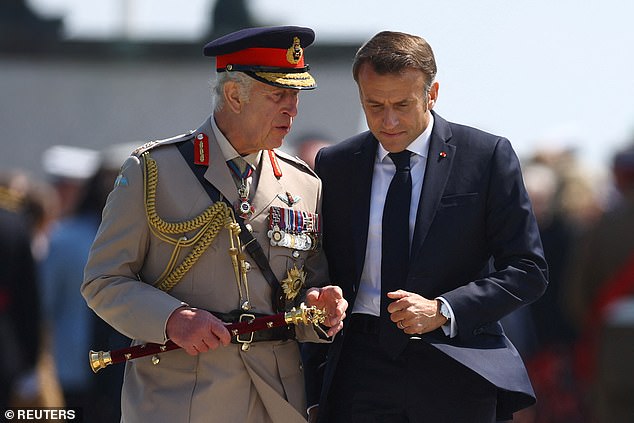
(390,118)
(291,104)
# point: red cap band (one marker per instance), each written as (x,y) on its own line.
(258,56)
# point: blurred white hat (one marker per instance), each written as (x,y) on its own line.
(64,161)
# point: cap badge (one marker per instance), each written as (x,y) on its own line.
(294,52)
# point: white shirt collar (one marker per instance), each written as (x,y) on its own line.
(420,146)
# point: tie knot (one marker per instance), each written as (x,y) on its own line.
(401,160)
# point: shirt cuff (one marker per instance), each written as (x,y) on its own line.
(310,408)
(450,328)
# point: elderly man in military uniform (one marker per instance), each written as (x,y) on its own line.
(213,227)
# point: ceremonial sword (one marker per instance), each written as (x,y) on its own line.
(304,315)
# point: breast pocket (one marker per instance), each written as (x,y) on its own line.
(457,200)
(282,259)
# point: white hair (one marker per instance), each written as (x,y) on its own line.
(242,79)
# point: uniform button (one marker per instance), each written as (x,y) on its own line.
(247,266)
(249,227)
(295,254)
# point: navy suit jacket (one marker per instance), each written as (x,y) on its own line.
(476,243)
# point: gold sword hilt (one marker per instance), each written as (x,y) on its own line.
(99,360)
(305,315)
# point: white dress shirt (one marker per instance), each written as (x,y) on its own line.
(368,299)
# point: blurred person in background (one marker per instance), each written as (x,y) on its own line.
(307,146)
(67,169)
(75,329)
(20,331)
(580,195)
(599,292)
(549,359)
(40,206)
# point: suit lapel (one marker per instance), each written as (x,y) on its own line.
(362,164)
(439,163)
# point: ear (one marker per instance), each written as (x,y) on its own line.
(433,96)
(231,93)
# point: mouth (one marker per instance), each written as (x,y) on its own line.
(283,129)
(392,134)
(286,128)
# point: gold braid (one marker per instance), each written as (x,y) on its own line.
(207,224)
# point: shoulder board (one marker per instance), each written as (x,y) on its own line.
(153,144)
(294,160)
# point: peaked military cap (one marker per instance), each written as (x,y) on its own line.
(273,55)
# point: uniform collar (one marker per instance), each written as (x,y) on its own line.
(227,149)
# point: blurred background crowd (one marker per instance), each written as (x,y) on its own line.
(73,106)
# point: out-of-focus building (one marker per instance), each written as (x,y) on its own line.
(93,93)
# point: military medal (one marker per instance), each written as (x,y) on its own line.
(242,206)
(294,229)
(295,279)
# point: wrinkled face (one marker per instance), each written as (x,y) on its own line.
(397,107)
(267,117)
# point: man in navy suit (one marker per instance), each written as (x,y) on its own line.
(424,342)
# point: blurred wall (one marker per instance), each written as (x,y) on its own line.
(95,94)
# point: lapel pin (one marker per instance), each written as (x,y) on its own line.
(442,155)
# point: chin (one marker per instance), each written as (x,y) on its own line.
(394,145)
(272,145)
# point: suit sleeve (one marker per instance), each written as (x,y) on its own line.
(519,273)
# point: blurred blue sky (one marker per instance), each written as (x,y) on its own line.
(541,72)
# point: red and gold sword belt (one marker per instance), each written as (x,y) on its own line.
(247,324)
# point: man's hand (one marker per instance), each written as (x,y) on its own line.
(413,313)
(329,298)
(196,330)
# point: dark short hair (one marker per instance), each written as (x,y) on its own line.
(393,52)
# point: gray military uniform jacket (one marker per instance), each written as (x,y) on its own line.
(262,384)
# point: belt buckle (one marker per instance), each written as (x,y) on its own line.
(246,343)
